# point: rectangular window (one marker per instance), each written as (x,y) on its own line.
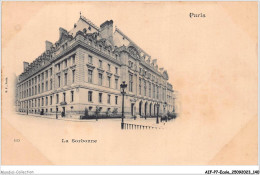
(42,76)
(58,67)
(100,77)
(73,76)
(116,83)
(153,91)
(100,97)
(57,98)
(72,96)
(58,81)
(46,101)
(46,84)
(90,59)
(108,67)
(116,98)
(130,82)
(140,86)
(100,63)
(90,96)
(35,90)
(50,84)
(39,102)
(108,98)
(50,100)
(46,74)
(149,89)
(65,63)
(39,88)
(42,87)
(65,79)
(42,101)
(73,60)
(64,97)
(144,88)
(157,92)
(116,70)
(51,72)
(90,76)
(109,81)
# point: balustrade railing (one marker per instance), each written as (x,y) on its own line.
(129,126)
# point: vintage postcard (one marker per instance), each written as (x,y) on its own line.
(129,83)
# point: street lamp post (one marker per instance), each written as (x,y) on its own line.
(123,86)
(56,112)
(157,117)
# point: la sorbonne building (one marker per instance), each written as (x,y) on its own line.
(84,70)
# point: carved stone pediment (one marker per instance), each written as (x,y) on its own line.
(65,70)
(116,76)
(90,66)
(73,67)
(109,74)
(131,72)
(100,70)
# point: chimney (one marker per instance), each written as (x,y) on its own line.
(25,65)
(63,31)
(48,45)
(106,31)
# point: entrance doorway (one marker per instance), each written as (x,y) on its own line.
(145,109)
(140,108)
(150,109)
(63,112)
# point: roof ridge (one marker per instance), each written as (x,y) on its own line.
(89,22)
(117,29)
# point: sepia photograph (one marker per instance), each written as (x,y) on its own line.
(129,83)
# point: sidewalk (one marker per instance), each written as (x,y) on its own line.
(139,121)
(54,117)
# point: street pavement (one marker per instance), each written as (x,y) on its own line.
(138,121)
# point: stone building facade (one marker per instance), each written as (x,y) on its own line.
(84,70)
